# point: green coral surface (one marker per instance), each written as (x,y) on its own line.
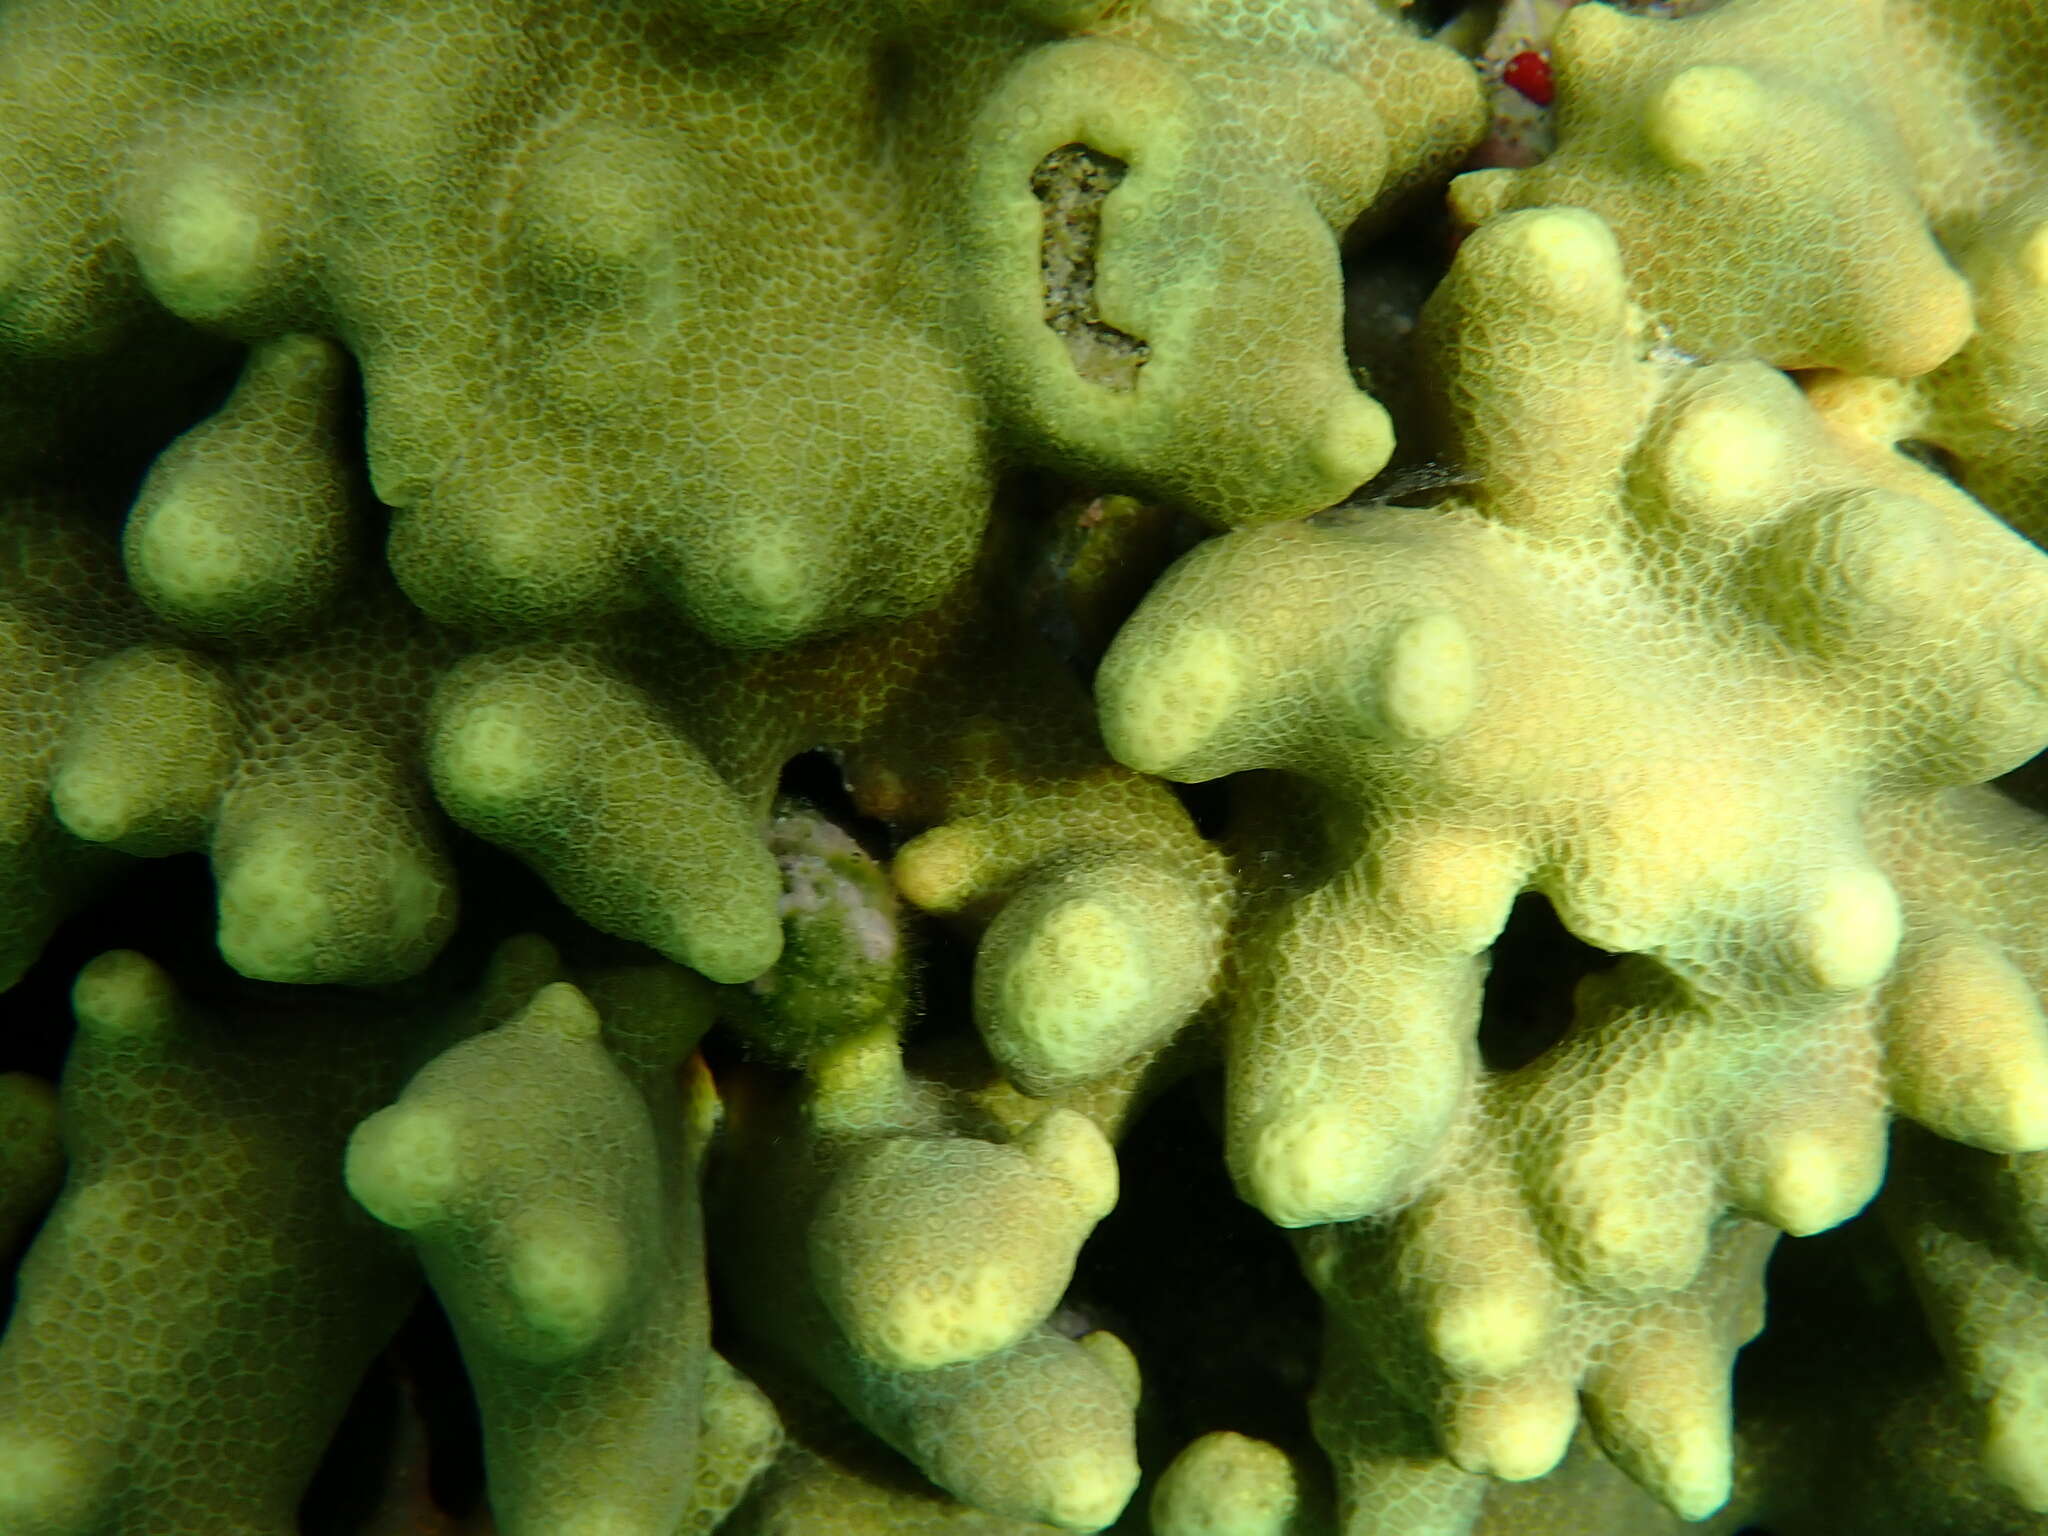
(985,767)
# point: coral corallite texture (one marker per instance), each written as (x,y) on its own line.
(755,779)
(552,237)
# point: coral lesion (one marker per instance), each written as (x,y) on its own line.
(1073,183)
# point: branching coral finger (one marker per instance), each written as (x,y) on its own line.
(200,1221)
(634,769)
(1511,693)
(546,1175)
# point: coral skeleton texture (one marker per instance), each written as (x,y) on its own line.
(1004,766)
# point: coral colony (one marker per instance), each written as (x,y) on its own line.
(998,766)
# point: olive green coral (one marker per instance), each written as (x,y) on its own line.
(538,231)
(1640,670)
(62,608)
(901,1239)
(256,699)
(544,1172)
(201,1301)
(702,368)
(633,769)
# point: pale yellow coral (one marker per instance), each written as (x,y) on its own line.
(545,1174)
(1792,178)
(1654,669)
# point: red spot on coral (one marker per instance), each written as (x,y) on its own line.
(1529,73)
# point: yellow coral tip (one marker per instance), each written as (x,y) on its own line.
(200,248)
(1525,1440)
(274,906)
(1478,196)
(123,993)
(1488,1334)
(1430,679)
(1722,453)
(1081,972)
(938,870)
(561,1008)
(1089,1490)
(1314,1167)
(1567,254)
(1704,114)
(1354,444)
(404,1165)
(2016,1438)
(1172,702)
(1226,1484)
(1809,1187)
(1587,31)
(979,1310)
(1068,1145)
(774,586)
(1894,554)
(491,756)
(1694,1472)
(42,1486)
(1849,935)
(569,1280)
(185,551)
(731,957)
(93,803)
(1117,1361)
(2024,1111)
